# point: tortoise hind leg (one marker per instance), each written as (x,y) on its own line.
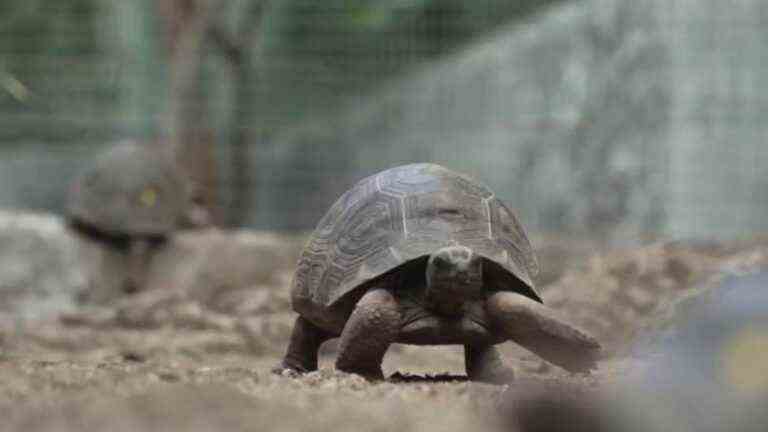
(372,327)
(484,363)
(306,339)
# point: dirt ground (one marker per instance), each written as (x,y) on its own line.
(170,360)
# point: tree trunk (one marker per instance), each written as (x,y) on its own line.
(190,138)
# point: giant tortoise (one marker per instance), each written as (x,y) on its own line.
(419,254)
(129,199)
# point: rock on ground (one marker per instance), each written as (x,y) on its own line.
(39,271)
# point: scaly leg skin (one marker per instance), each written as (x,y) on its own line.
(372,327)
(484,363)
(302,350)
(536,328)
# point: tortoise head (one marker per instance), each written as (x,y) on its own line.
(454,277)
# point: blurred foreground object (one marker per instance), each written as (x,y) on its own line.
(563,406)
(127,204)
(707,366)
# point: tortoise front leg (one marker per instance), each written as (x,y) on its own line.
(484,363)
(537,328)
(372,327)
(302,350)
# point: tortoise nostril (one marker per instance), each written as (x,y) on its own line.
(442,261)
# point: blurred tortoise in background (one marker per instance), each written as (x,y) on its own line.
(130,190)
(419,254)
(130,199)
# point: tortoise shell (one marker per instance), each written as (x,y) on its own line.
(131,190)
(401,215)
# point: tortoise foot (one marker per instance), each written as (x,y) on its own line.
(288,370)
(484,364)
(499,376)
(368,374)
(302,351)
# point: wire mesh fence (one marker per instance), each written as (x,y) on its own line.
(606,117)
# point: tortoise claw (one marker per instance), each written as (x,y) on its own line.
(286,370)
(368,374)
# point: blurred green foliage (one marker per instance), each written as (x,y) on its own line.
(47,50)
(67,69)
(317,54)
(421,28)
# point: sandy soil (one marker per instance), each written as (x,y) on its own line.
(167,360)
